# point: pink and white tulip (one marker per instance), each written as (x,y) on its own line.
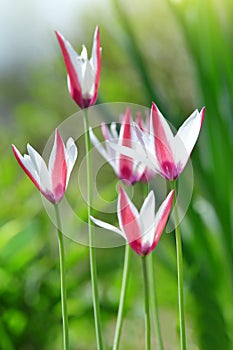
(173,152)
(127,169)
(160,150)
(142,230)
(83,74)
(51,181)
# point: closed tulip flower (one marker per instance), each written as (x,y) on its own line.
(83,74)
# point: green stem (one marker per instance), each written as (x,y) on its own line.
(122,298)
(154,302)
(94,282)
(179,272)
(63,280)
(151,270)
(147,304)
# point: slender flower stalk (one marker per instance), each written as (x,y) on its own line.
(83,77)
(142,230)
(147,304)
(167,155)
(63,280)
(93,268)
(152,284)
(117,335)
(153,293)
(179,258)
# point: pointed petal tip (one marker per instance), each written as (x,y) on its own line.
(58,136)
(154,106)
(150,194)
(29,147)
(15,150)
(57,132)
(127,119)
(202,114)
(97,37)
(97,34)
(59,36)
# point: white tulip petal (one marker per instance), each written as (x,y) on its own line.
(186,137)
(99,146)
(107,226)
(76,61)
(138,155)
(164,208)
(83,54)
(71,156)
(146,144)
(41,168)
(113,128)
(107,134)
(27,164)
(93,60)
(147,218)
(88,80)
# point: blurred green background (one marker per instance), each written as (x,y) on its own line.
(177,53)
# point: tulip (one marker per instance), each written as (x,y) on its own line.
(83,82)
(83,74)
(159,149)
(127,169)
(51,181)
(172,152)
(142,230)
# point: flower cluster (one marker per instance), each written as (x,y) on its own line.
(158,148)
(137,152)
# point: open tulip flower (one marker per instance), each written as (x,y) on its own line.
(83,74)
(127,169)
(52,181)
(142,230)
(160,150)
(172,152)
